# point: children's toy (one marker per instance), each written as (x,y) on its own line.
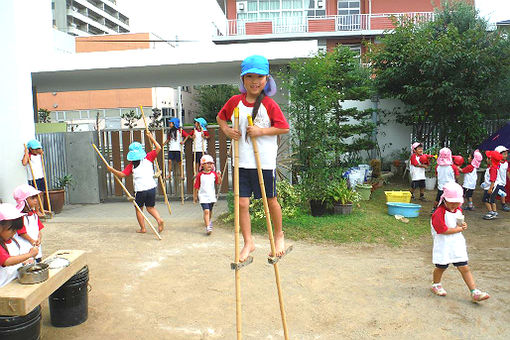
(158,172)
(128,194)
(458,160)
(425,159)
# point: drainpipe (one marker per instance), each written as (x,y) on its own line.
(375,118)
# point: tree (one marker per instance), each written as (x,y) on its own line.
(44,116)
(211,99)
(451,72)
(131,117)
(156,119)
(324,134)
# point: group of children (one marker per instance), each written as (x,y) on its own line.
(447,221)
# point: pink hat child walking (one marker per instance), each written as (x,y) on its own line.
(447,224)
(30,235)
(11,256)
(205,189)
(471,177)
(446,172)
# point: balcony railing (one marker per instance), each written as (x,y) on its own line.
(334,23)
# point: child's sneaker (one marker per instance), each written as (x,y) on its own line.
(506,207)
(494,213)
(477,295)
(208,229)
(438,289)
(422,198)
(489,216)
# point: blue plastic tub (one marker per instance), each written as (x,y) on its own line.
(404,209)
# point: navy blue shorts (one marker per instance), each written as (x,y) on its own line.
(486,197)
(40,184)
(456,264)
(198,155)
(418,184)
(207,206)
(249,183)
(174,156)
(146,197)
(468,193)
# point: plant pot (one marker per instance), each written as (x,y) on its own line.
(430,183)
(57,200)
(343,209)
(318,208)
(364,191)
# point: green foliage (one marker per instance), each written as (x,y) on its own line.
(339,192)
(211,99)
(64,181)
(44,116)
(324,134)
(156,119)
(451,72)
(131,117)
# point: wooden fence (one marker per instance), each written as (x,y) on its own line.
(114,145)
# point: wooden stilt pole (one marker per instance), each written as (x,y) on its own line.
(229,154)
(46,185)
(163,186)
(269,231)
(182,173)
(41,206)
(128,194)
(237,227)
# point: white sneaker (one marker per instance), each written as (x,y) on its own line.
(208,229)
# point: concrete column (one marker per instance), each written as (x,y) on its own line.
(25,32)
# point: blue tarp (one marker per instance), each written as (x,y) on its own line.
(501,137)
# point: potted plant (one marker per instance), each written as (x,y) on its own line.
(57,194)
(341,197)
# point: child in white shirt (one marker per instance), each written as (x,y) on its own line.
(205,189)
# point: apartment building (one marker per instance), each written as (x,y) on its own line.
(330,22)
(88,17)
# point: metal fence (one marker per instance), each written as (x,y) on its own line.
(54,156)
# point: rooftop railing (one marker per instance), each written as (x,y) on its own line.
(334,23)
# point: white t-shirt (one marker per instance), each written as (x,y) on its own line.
(448,248)
(206,185)
(470,179)
(143,174)
(501,179)
(417,173)
(36,162)
(269,115)
(200,142)
(175,144)
(9,273)
(445,174)
(32,226)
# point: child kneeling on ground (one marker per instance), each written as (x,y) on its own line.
(205,189)
(447,225)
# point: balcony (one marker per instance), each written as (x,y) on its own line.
(290,28)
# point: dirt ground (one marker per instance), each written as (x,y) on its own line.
(182,287)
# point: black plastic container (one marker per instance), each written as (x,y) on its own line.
(27,327)
(69,303)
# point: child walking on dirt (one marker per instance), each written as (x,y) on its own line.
(26,202)
(446,172)
(205,189)
(11,256)
(175,139)
(470,177)
(142,168)
(256,87)
(200,137)
(502,176)
(447,225)
(417,170)
(490,184)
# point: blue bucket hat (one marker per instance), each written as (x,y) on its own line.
(34,144)
(136,152)
(257,64)
(202,122)
(176,121)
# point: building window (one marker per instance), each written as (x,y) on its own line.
(348,7)
(259,10)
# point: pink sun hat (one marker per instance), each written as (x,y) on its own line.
(22,192)
(445,157)
(452,192)
(477,159)
(206,159)
(9,212)
(415,145)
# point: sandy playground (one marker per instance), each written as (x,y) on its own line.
(182,287)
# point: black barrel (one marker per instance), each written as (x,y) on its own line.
(27,327)
(69,303)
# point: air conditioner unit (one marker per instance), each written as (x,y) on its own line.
(320,4)
(242,6)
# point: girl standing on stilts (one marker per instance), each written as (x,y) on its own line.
(200,137)
(256,86)
(142,168)
(175,140)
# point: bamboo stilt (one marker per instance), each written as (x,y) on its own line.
(163,186)
(229,153)
(182,174)
(46,185)
(269,231)
(237,227)
(128,194)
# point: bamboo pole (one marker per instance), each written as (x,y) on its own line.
(237,227)
(157,167)
(269,230)
(41,206)
(128,194)
(229,153)
(182,173)
(46,185)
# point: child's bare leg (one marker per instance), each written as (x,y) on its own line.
(494,208)
(276,216)
(488,206)
(141,221)
(438,274)
(244,219)
(206,217)
(412,191)
(155,214)
(169,169)
(467,276)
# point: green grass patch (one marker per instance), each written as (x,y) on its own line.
(368,223)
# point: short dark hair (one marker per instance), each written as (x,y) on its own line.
(15,224)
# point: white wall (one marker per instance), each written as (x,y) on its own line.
(25,32)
